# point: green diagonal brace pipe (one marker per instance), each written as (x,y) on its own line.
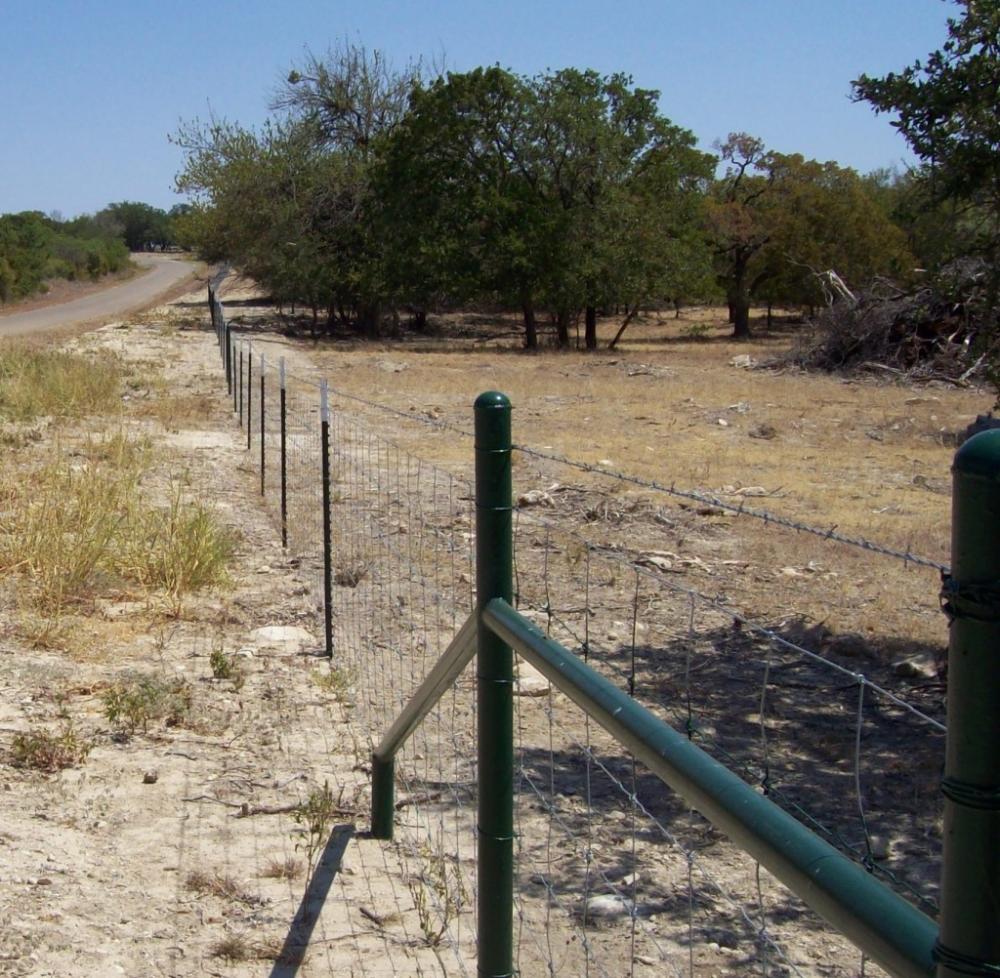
(887,928)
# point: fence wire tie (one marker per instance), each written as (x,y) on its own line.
(964,964)
(973,601)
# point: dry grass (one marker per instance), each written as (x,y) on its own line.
(282,869)
(673,405)
(36,381)
(76,528)
(220,885)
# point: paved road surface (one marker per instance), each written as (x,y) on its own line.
(164,272)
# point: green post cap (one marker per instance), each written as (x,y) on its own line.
(980,456)
(492,399)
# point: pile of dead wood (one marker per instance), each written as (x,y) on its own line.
(945,329)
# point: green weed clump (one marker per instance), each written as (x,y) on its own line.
(42,750)
(39,382)
(135,702)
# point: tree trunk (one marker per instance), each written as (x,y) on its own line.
(741,322)
(530,326)
(420,320)
(369,319)
(629,316)
(590,328)
(562,329)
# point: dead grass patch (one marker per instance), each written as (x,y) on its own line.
(38,382)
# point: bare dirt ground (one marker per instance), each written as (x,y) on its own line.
(183,848)
(175,850)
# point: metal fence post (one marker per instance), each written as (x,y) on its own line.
(284,456)
(263,425)
(969,941)
(249,393)
(324,417)
(229,357)
(494,570)
(239,386)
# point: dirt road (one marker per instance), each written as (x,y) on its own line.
(163,273)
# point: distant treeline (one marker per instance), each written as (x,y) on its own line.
(36,248)
(372,192)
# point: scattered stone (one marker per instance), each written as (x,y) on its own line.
(151,777)
(530,682)
(535,497)
(744,361)
(609,906)
(920,666)
(764,431)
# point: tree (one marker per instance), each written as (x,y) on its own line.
(946,109)
(142,225)
(781,222)
(567,190)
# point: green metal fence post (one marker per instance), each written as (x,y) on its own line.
(969,942)
(494,571)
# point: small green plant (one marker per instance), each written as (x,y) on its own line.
(332,680)
(697,331)
(223,666)
(42,750)
(316,814)
(137,701)
(438,897)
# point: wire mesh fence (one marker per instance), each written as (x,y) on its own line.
(615,875)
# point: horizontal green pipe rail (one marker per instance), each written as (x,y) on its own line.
(887,928)
(439,680)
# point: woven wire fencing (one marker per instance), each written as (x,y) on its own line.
(614,874)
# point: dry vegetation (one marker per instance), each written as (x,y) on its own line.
(682,404)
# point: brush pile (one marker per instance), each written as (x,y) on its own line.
(947,329)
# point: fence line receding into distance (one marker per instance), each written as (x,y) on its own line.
(613,873)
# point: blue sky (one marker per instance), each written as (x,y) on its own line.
(90,89)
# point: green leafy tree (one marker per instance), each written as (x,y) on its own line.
(946,107)
(567,190)
(781,223)
(142,225)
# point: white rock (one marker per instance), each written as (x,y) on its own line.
(530,682)
(608,907)
(282,636)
